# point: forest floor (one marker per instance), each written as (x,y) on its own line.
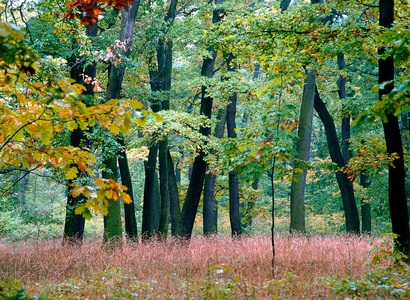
(316,267)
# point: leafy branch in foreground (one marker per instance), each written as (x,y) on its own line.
(35,111)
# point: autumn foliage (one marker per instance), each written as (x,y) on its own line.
(89,10)
(36,110)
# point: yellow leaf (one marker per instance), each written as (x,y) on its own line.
(126,198)
(79,209)
(109,194)
(141,122)
(45,139)
(19,136)
(71,174)
(135,104)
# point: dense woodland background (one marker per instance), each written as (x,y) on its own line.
(269,127)
(285,79)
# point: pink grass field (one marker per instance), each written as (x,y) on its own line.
(206,268)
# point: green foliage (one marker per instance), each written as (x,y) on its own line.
(12,290)
(383,251)
(382,284)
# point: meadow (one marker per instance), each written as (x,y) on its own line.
(306,267)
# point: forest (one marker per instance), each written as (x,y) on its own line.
(218,149)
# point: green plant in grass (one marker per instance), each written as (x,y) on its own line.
(383,250)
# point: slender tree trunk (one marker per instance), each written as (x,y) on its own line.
(397,191)
(210,223)
(297,193)
(164,189)
(341,84)
(156,205)
(193,195)
(272,182)
(74,224)
(210,205)
(345,185)
(149,193)
(234,205)
(129,208)
(112,221)
(161,82)
(173,196)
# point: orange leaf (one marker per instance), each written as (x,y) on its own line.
(71,3)
(77,191)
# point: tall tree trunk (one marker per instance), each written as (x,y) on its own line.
(74,223)
(161,82)
(173,196)
(148,211)
(297,193)
(397,191)
(234,205)
(112,221)
(164,189)
(129,208)
(341,84)
(345,185)
(193,195)
(210,207)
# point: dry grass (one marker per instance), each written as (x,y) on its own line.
(207,267)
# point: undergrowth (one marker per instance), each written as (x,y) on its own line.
(318,267)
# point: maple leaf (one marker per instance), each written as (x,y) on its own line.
(71,173)
(77,191)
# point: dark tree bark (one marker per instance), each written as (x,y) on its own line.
(160,78)
(164,189)
(191,202)
(113,227)
(129,208)
(173,196)
(234,205)
(397,191)
(156,205)
(74,223)
(341,84)
(210,206)
(148,211)
(345,185)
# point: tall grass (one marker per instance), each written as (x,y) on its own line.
(205,268)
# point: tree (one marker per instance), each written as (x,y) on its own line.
(196,182)
(345,184)
(210,208)
(297,192)
(47,105)
(234,205)
(82,74)
(397,191)
(112,221)
(160,81)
